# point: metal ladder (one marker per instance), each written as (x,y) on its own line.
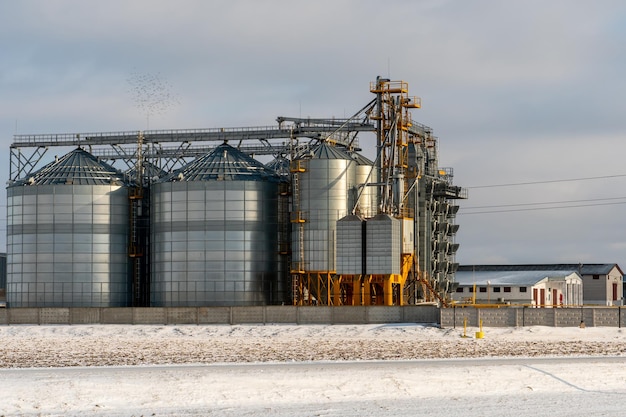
(299,221)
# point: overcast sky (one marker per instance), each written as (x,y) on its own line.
(526,91)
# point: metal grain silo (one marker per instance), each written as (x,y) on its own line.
(214,234)
(67,236)
(367,203)
(383,245)
(350,245)
(324,193)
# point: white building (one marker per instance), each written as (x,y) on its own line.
(602,283)
(532,288)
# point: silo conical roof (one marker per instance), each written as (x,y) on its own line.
(360,159)
(224,163)
(77,167)
(326,151)
(280,165)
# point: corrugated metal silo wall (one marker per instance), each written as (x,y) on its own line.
(3,271)
(326,195)
(383,245)
(67,246)
(368,202)
(215,243)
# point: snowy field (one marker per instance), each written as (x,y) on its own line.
(285,370)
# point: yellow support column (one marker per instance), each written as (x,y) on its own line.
(401,294)
(357,297)
(337,291)
(367,291)
(329,283)
(388,290)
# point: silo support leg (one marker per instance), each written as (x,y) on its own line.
(357,299)
(367,291)
(337,291)
(388,292)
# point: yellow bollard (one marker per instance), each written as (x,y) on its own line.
(480,334)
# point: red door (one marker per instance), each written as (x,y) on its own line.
(542,297)
(554,298)
(614,291)
(535,297)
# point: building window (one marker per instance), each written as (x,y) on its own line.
(459,289)
(508,289)
(496,289)
(523,289)
(483,289)
(471,289)
(596,276)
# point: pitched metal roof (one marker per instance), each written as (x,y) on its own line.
(361,160)
(585,269)
(512,278)
(224,163)
(280,165)
(77,167)
(326,151)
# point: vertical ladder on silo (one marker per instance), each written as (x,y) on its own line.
(135,251)
(297,218)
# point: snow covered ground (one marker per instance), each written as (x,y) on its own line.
(285,370)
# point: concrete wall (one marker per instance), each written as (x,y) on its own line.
(526,316)
(222,315)
(445,317)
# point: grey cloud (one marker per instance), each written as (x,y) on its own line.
(516,91)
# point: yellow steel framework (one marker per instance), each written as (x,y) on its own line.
(327,288)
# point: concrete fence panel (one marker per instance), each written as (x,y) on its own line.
(568,317)
(281,314)
(589,316)
(214,315)
(606,317)
(498,317)
(116,315)
(54,316)
(349,315)
(421,314)
(382,314)
(314,315)
(538,317)
(181,315)
(149,315)
(84,315)
(459,316)
(248,315)
(23,315)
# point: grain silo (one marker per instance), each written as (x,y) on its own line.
(214,233)
(325,191)
(67,234)
(366,195)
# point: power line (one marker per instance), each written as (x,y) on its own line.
(542,208)
(515,184)
(543,203)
